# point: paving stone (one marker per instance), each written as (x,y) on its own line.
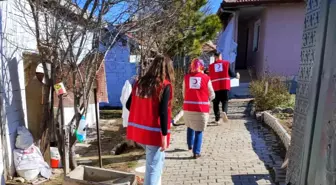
(238,152)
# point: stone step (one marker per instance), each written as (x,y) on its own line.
(237,116)
(237,111)
(239,104)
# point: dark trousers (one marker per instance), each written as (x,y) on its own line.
(222,96)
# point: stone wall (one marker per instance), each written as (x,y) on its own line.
(303,102)
(273,122)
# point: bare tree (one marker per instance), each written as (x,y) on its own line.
(73,38)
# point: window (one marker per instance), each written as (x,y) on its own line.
(256,36)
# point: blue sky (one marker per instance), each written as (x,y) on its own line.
(214,5)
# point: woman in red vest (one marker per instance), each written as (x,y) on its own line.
(198,91)
(220,73)
(150,115)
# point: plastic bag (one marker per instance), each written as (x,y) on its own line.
(29,163)
(24,138)
(125,93)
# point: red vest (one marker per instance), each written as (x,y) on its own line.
(196,94)
(219,74)
(144,119)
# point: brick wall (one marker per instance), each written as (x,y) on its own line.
(118,69)
(101,84)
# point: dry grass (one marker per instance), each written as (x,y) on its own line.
(269,93)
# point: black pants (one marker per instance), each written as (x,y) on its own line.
(222,96)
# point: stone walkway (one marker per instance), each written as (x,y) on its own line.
(238,152)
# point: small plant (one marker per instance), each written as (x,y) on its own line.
(291,102)
(269,93)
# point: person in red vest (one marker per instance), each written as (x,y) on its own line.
(198,93)
(149,121)
(220,74)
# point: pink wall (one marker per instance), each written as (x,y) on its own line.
(255,59)
(282,39)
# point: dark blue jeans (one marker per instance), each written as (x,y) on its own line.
(194,140)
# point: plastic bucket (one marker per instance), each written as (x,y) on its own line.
(55,157)
(140,171)
(54,163)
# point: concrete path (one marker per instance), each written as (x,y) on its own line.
(238,152)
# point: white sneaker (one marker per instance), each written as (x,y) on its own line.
(224,117)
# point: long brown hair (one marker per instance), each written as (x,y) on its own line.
(161,69)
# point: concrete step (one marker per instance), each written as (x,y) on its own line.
(237,111)
(239,104)
(237,116)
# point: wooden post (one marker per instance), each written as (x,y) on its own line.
(66,139)
(98,128)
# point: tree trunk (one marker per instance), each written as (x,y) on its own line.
(72,152)
(46,121)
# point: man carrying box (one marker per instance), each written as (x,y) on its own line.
(220,74)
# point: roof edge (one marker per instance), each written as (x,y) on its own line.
(229,5)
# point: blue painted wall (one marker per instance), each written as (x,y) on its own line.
(118,70)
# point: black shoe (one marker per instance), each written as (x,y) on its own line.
(196,156)
(190,148)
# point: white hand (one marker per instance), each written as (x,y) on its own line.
(238,76)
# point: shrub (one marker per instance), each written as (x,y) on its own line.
(269,93)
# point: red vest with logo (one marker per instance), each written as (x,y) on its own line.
(144,119)
(219,74)
(196,94)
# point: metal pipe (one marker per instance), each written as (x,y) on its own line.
(98,128)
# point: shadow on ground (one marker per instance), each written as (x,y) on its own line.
(112,134)
(176,150)
(270,151)
(253,179)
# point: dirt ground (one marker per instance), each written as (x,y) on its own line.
(112,134)
(286,121)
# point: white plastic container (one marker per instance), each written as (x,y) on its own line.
(81,130)
(29,174)
(140,171)
(54,157)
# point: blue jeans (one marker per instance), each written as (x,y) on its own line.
(194,140)
(154,164)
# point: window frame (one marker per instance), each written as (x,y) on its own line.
(256,35)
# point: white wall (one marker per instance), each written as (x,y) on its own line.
(17,27)
(15,40)
(90,117)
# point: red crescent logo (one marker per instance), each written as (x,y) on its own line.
(195,81)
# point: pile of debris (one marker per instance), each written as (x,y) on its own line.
(28,160)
